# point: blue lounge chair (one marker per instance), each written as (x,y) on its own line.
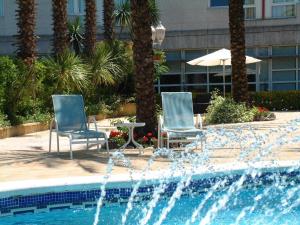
(176,125)
(70,121)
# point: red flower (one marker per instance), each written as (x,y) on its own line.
(262,109)
(149,134)
(114,134)
(145,139)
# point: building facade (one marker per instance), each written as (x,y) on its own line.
(195,28)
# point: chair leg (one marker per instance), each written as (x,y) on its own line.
(107,147)
(168,143)
(50,139)
(161,141)
(71,152)
(57,141)
(98,149)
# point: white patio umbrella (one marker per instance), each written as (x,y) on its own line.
(221,57)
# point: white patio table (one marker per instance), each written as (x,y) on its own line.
(131,127)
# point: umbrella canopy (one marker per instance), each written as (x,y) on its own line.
(219,58)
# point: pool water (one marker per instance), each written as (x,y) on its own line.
(262,205)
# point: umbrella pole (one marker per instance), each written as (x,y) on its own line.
(224,78)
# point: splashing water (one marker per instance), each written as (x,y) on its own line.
(254,146)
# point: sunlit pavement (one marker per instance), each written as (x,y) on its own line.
(27,157)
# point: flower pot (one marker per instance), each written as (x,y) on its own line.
(157,58)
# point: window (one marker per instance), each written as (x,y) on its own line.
(284,68)
(171,81)
(1,8)
(249,9)
(283,8)
(218,3)
(76,7)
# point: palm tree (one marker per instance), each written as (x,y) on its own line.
(104,66)
(68,72)
(143,63)
(237,43)
(108,10)
(60,27)
(26,38)
(75,35)
(122,14)
(90,35)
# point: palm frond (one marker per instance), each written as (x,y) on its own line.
(105,69)
(122,14)
(69,72)
(154,12)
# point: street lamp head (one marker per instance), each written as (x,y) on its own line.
(153,33)
(158,33)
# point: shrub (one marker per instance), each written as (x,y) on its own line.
(226,110)
(3,121)
(104,66)
(68,72)
(277,100)
(8,74)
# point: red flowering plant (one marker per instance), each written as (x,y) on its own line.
(148,140)
(263,114)
(117,138)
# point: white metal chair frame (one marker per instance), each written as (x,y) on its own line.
(91,119)
(164,135)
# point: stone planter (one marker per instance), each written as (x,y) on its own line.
(100,117)
(22,129)
(128,109)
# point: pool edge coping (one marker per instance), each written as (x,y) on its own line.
(13,188)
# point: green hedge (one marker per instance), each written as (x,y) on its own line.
(277,100)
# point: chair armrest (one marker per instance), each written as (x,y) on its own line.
(199,121)
(92,119)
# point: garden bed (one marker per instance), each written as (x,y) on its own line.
(22,129)
(127,109)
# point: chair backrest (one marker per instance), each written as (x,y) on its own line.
(69,112)
(177,110)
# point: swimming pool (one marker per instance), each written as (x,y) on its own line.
(271,197)
(182,211)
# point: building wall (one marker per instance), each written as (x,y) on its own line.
(195,29)
(44,31)
(198,15)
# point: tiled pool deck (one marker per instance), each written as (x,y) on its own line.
(27,157)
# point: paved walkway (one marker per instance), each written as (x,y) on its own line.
(27,157)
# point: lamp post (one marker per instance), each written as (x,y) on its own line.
(158,34)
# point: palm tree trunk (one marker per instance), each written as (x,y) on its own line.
(60,28)
(90,35)
(26,38)
(108,10)
(143,64)
(238,59)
